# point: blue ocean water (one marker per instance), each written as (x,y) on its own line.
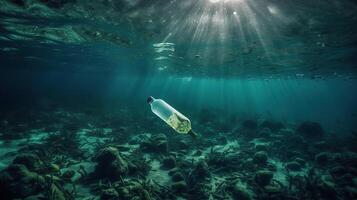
(268,86)
(291,100)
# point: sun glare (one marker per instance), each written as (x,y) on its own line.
(232,27)
(224,1)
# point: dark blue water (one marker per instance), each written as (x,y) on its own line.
(269,86)
(292,100)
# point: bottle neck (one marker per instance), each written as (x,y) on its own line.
(150,99)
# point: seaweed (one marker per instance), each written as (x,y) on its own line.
(64,142)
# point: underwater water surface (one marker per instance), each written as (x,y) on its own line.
(269,87)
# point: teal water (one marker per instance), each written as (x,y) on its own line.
(269,86)
(292,100)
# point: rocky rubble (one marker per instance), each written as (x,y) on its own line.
(270,161)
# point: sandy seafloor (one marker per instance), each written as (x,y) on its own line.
(71,154)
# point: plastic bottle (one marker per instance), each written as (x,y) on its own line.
(180,123)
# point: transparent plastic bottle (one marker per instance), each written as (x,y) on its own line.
(171,116)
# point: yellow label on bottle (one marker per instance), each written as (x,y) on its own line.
(178,123)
